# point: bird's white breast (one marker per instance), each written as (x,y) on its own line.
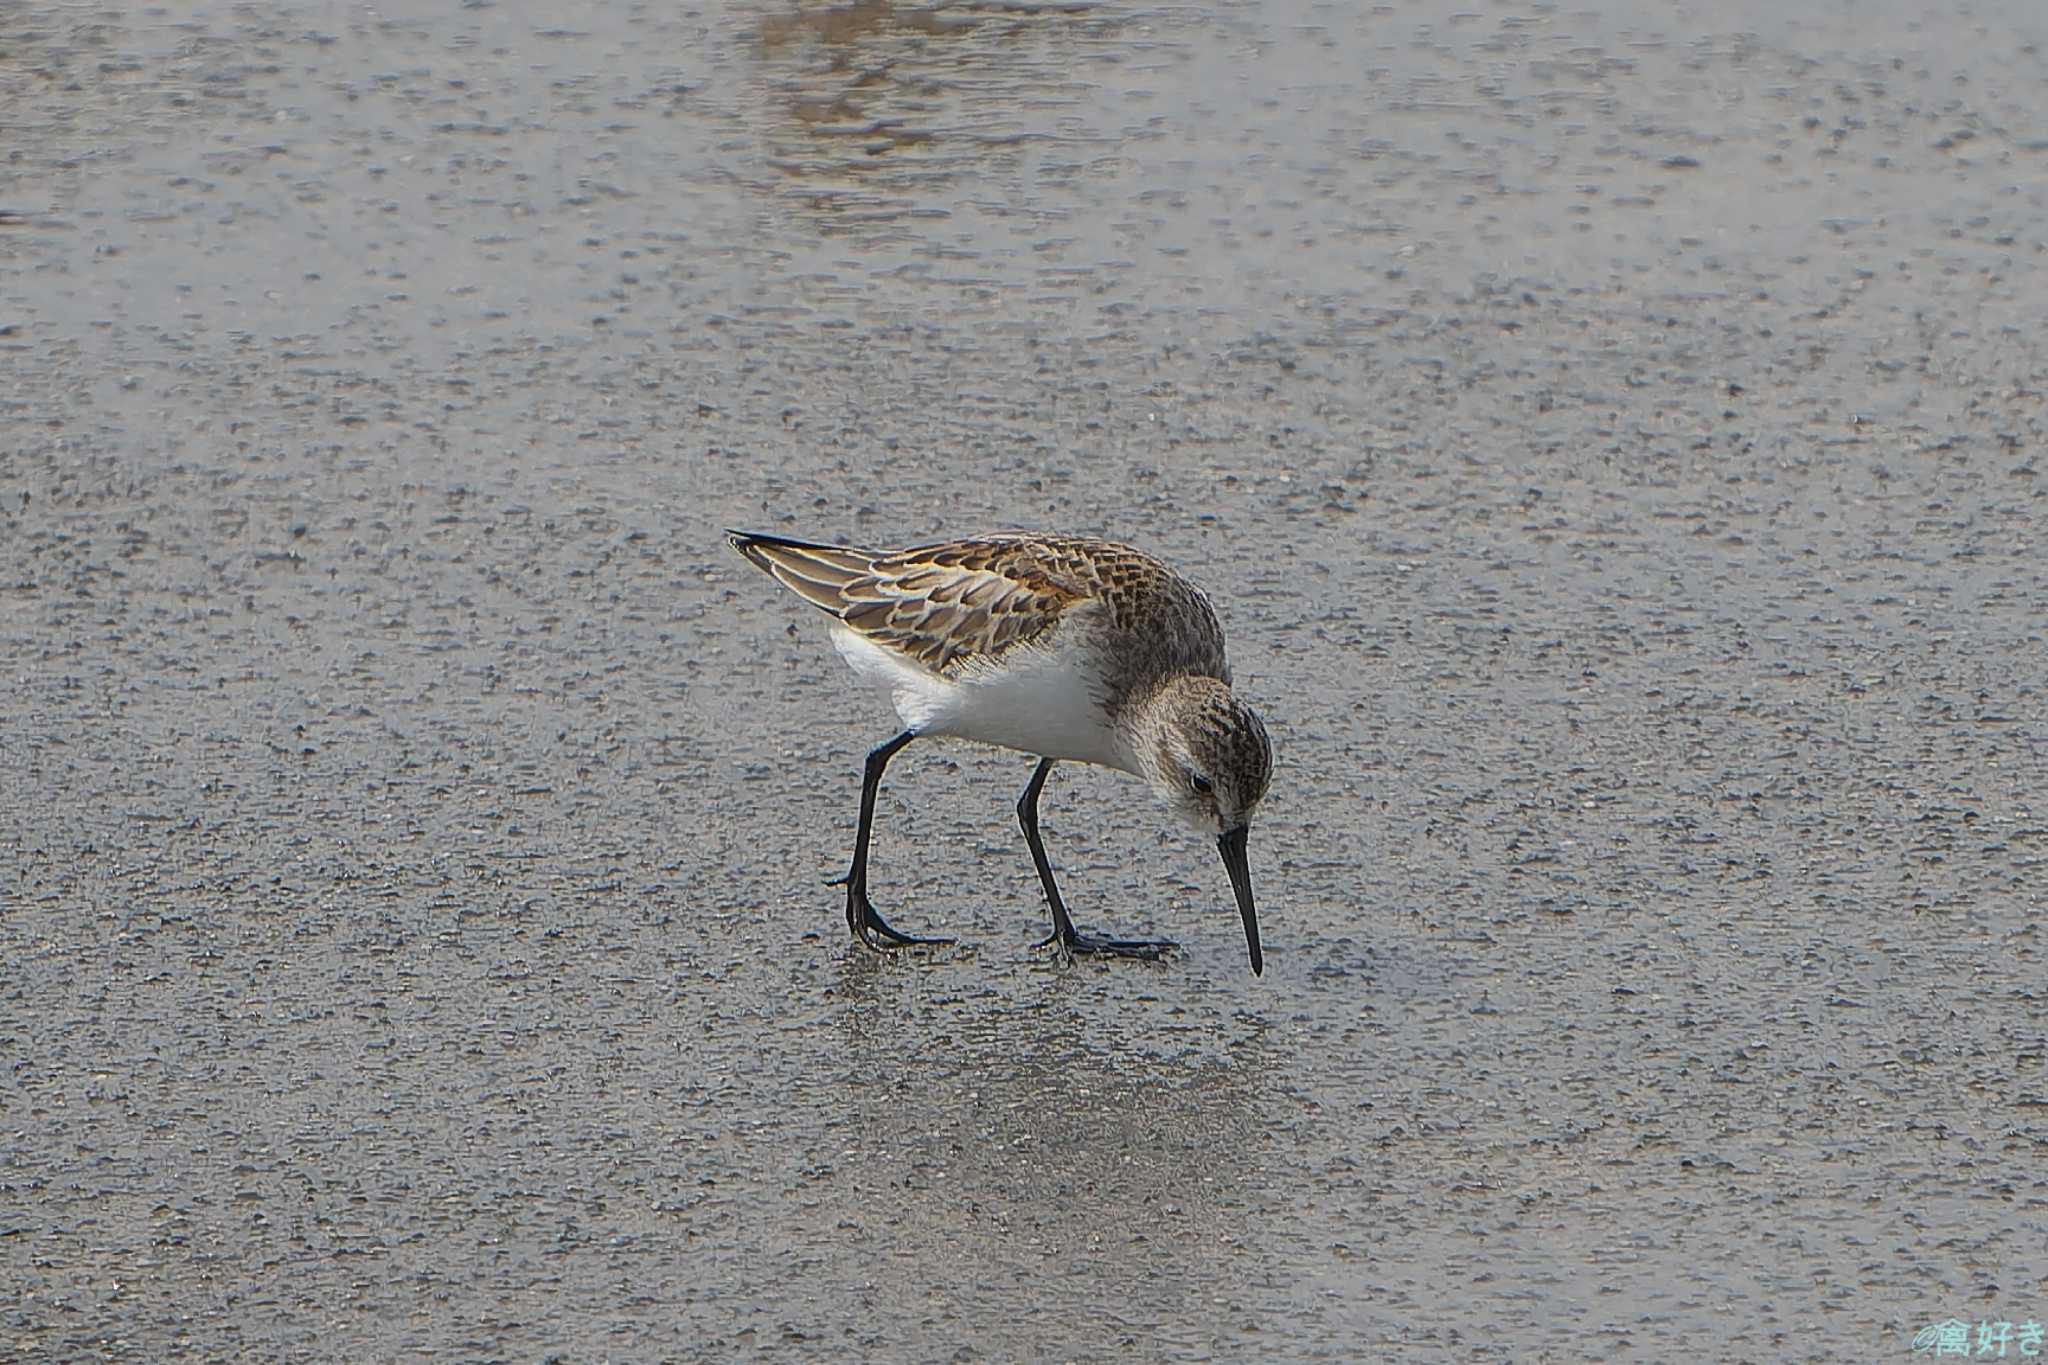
(1038,700)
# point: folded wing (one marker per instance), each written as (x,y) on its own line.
(944,606)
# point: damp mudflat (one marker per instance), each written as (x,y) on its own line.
(1612,434)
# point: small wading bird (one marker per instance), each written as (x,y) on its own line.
(1060,647)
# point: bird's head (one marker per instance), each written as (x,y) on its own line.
(1206,756)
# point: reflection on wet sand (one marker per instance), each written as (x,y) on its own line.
(840,25)
(854,88)
(1054,1124)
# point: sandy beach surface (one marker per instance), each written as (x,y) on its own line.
(1613,436)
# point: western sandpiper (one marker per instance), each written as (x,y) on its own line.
(1056,646)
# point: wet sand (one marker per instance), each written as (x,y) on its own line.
(1613,436)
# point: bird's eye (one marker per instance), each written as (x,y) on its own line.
(1201,784)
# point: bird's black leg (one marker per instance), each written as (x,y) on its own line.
(1070,939)
(862,918)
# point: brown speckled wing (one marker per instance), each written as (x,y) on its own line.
(952,605)
(948,606)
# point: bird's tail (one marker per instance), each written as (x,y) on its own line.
(816,573)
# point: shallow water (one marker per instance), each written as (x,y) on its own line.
(1611,433)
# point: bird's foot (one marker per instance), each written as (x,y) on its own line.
(1075,943)
(870,928)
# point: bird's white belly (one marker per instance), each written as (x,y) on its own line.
(1039,702)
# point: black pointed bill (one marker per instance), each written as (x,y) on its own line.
(1238,864)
